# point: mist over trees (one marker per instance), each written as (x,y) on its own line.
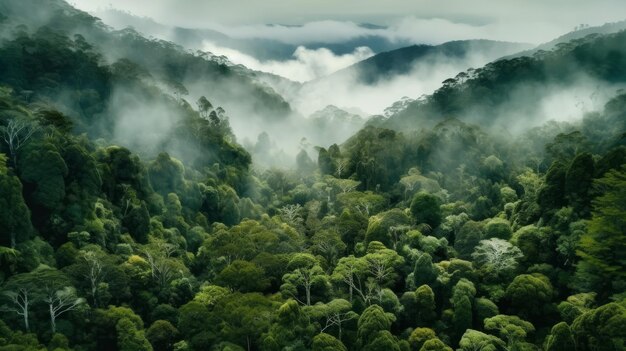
(133,218)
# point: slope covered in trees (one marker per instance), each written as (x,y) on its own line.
(450,237)
(513,91)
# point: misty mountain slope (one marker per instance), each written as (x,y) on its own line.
(581,33)
(522,92)
(377,82)
(386,65)
(180,72)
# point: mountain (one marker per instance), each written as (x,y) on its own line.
(387,65)
(261,48)
(579,33)
(524,91)
(375,83)
(52,25)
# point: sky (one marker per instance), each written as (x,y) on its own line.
(533,21)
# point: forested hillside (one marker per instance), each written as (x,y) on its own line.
(148,228)
(511,91)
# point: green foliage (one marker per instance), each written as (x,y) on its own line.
(529,293)
(243,276)
(327,342)
(435,345)
(425,209)
(601,328)
(476,340)
(371,322)
(403,240)
(15,215)
(511,328)
(603,246)
(162,335)
(129,338)
(380,226)
(560,338)
(419,336)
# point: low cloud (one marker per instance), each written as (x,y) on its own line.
(306,64)
(401,29)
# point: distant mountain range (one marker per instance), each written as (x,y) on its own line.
(386,65)
(526,90)
(260,48)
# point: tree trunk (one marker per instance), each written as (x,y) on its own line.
(53,320)
(26,324)
(350,285)
(308,295)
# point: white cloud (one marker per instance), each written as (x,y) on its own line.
(306,64)
(348,92)
(523,20)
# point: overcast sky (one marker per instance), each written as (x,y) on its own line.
(521,20)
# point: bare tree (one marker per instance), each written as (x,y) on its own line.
(337,318)
(342,164)
(162,271)
(21,300)
(95,274)
(61,301)
(16,134)
(291,214)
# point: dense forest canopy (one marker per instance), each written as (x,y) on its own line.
(132,219)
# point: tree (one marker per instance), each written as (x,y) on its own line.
(473,340)
(352,271)
(23,290)
(578,183)
(419,336)
(529,293)
(379,226)
(383,340)
(243,276)
(204,107)
(497,257)
(424,271)
(61,301)
(603,247)
(95,273)
(327,342)
(15,215)
(425,305)
(245,317)
(601,328)
(511,328)
(306,273)
(129,338)
(372,321)
(560,338)
(21,301)
(337,312)
(16,134)
(426,209)
(498,228)
(435,345)
(162,335)
(43,169)
(470,234)
(462,295)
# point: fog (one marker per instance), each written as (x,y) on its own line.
(306,64)
(347,91)
(146,125)
(527,21)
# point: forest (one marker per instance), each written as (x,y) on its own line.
(449,235)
